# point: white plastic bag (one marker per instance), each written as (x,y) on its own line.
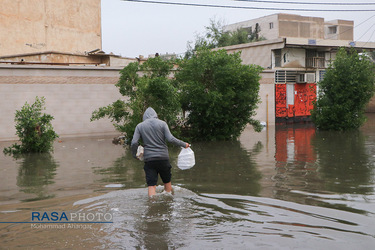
(140,152)
(186,159)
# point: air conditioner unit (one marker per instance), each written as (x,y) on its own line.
(305,78)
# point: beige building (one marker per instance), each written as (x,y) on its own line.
(69,26)
(52,48)
(57,32)
(295,54)
(288,25)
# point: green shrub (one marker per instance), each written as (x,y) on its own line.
(34,129)
(219,93)
(344,93)
(146,85)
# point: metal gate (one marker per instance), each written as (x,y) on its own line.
(294,101)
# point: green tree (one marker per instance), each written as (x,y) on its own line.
(34,129)
(143,85)
(217,37)
(346,89)
(219,93)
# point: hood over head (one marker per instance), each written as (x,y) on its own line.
(149,113)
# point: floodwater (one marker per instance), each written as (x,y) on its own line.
(288,187)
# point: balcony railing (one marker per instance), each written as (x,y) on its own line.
(315,62)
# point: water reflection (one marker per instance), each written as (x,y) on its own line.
(344,162)
(222,167)
(124,170)
(156,218)
(316,161)
(296,166)
(324,168)
(293,143)
(35,173)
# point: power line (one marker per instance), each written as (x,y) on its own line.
(364,21)
(350,29)
(346,30)
(366,31)
(246,7)
(306,3)
(370,37)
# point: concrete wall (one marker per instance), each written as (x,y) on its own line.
(293,58)
(266,109)
(72,94)
(344,30)
(259,53)
(264,24)
(29,26)
(51,58)
(301,26)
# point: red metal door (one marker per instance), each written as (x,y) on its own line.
(280,100)
(311,97)
(303,99)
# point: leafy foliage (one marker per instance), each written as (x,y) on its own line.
(347,88)
(34,129)
(219,93)
(217,37)
(145,85)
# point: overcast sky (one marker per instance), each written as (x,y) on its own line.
(131,29)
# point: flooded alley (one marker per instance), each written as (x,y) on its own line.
(288,187)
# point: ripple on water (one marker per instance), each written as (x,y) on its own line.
(187,220)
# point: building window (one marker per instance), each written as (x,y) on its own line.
(277,57)
(315,59)
(332,30)
(257,28)
(321,75)
(283,76)
(271,25)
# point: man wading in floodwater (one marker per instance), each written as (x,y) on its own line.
(154,134)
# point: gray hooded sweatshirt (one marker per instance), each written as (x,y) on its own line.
(154,133)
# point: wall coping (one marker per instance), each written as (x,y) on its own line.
(57,67)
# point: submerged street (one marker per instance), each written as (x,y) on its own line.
(285,187)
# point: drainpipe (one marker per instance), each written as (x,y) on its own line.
(267,111)
(267,130)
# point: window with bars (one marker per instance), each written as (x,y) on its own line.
(283,76)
